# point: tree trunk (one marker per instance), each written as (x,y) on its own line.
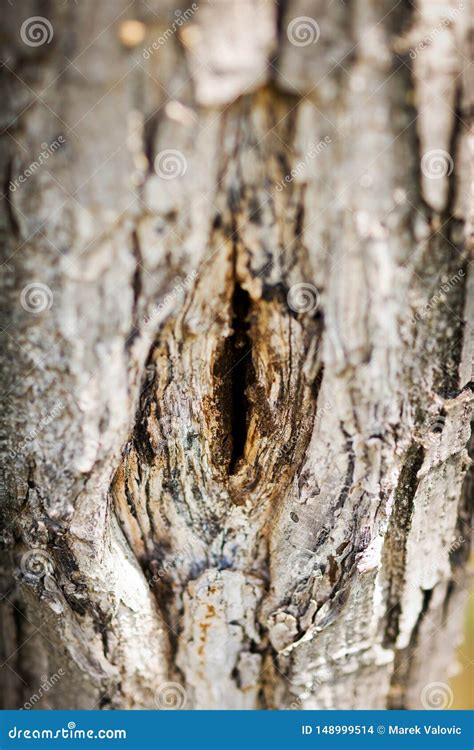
(237,376)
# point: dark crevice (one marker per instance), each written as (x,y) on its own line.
(446,373)
(149,136)
(281,10)
(163,589)
(459,551)
(140,437)
(234,375)
(136,287)
(400,524)
(240,374)
(105,701)
(137,276)
(9,210)
(105,640)
(299,220)
(398,23)
(21,668)
(348,480)
(450,589)
(404,660)
(454,141)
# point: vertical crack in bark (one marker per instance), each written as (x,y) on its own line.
(241,374)
(397,538)
(281,8)
(21,671)
(136,287)
(195,423)
(349,478)
(446,373)
(457,125)
(151,126)
(396,699)
(9,210)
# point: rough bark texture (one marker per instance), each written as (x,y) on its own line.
(236,415)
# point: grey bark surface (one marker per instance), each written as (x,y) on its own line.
(237,398)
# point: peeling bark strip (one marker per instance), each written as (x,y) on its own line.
(246,279)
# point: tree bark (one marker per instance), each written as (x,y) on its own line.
(237,374)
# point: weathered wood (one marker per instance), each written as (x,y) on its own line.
(237,375)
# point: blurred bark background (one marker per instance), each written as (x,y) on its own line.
(237,353)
